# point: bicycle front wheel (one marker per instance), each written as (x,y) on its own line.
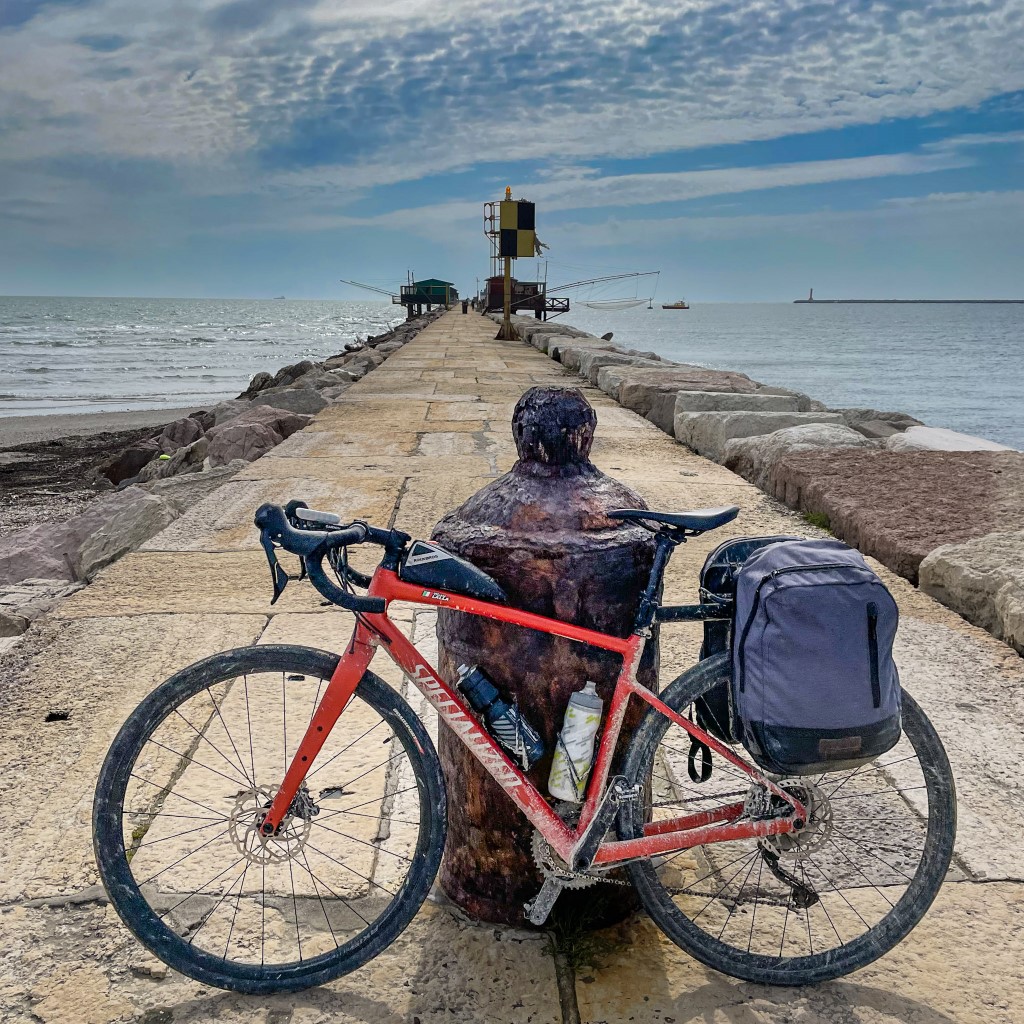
(804,907)
(184,788)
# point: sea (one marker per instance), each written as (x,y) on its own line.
(956,366)
(73,355)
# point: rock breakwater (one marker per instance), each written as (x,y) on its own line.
(942,509)
(157,478)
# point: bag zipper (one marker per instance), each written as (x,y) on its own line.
(757,599)
(876,686)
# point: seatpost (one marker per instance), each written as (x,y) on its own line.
(649,599)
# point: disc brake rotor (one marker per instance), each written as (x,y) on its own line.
(817,831)
(245,827)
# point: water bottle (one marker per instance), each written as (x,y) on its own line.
(503,720)
(574,751)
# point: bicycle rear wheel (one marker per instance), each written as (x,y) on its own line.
(184,788)
(805,907)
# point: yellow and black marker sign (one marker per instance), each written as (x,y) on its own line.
(517,236)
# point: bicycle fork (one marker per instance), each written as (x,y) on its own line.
(339,692)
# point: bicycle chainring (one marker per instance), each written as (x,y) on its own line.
(550,865)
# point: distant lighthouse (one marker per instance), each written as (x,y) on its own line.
(810,297)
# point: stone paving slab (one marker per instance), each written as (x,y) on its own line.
(188,582)
(411,444)
(97,671)
(223,520)
(930,978)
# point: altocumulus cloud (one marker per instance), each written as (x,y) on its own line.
(295,112)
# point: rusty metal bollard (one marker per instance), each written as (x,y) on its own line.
(542,533)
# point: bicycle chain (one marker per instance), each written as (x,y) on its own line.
(690,890)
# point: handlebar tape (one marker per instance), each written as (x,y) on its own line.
(313,547)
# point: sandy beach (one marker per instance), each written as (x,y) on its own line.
(47,462)
(26,430)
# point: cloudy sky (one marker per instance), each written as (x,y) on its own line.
(749,149)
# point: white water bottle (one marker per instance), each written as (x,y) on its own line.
(574,751)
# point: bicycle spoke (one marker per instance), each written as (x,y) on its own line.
(238,902)
(191,853)
(341,899)
(873,855)
(316,849)
(227,732)
(165,793)
(724,887)
(316,889)
(344,810)
(248,723)
(202,735)
(753,914)
(295,905)
(216,906)
(363,842)
(344,749)
(199,889)
(193,761)
(176,835)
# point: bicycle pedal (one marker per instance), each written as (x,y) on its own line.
(539,908)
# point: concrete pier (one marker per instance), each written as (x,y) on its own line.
(406,444)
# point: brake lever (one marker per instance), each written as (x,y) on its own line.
(279,577)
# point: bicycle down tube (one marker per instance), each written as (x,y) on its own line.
(376,629)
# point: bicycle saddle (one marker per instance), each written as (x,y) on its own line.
(700,520)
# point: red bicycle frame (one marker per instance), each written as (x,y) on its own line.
(376,630)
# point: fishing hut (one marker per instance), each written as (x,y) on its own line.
(427,293)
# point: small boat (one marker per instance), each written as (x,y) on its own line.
(678,304)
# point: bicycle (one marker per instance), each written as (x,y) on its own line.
(228,859)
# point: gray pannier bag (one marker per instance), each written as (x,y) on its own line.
(814,687)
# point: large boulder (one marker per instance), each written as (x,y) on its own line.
(340,361)
(129,462)
(317,379)
(755,458)
(983,580)
(182,492)
(570,353)
(308,401)
(542,340)
(899,506)
(227,410)
(611,376)
(22,602)
(651,390)
(204,418)
(79,547)
(33,553)
(333,394)
(179,434)
(260,382)
(765,400)
(185,460)
(707,433)
(364,362)
(281,421)
(938,439)
(289,374)
(591,363)
(111,526)
(240,440)
(873,423)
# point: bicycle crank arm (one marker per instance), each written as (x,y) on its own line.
(538,909)
(585,851)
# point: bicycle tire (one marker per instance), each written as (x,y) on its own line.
(145,923)
(814,968)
